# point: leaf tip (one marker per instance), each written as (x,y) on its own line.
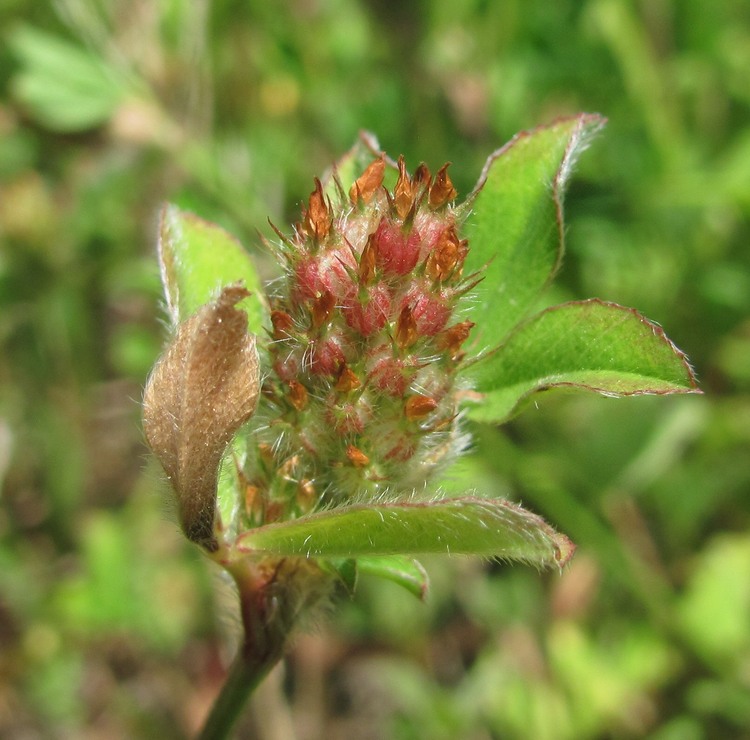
(565,548)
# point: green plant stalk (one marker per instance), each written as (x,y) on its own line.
(247,671)
(273,594)
(359,398)
(262,647)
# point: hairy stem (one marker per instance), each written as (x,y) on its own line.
(273,594)
(246,673)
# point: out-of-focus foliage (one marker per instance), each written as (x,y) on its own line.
(110,626)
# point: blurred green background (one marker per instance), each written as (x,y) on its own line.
(111,626)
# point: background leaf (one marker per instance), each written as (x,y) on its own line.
(590,345)
(64,86)
(197,259)
(470,526)
(515,227)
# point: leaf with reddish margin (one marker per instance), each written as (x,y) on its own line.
(197,260)
(591,345)
(515,223)
(469,525)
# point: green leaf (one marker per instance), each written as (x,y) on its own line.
(229,489)
(406,572)
(345,570)
(515,227)
(591,345)
(64,87)
(197,259)
(469,526)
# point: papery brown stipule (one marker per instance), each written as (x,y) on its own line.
(202,390)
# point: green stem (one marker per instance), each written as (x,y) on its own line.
(265,634)
(243,678)
(273,593)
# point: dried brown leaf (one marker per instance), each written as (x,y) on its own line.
(203,389)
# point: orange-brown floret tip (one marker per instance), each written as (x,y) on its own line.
(282,324)
(322,308)
(252,498)
(298,395)
(442,190)
(357,457)
(367,184)
(367,261)
(317,219)
(447,255)
(406,328)
(403,196)
(347,380)
(417,407)
(454,336)
(422,176)
(306,495)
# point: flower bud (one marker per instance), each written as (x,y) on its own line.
(396,248)
(367,345)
